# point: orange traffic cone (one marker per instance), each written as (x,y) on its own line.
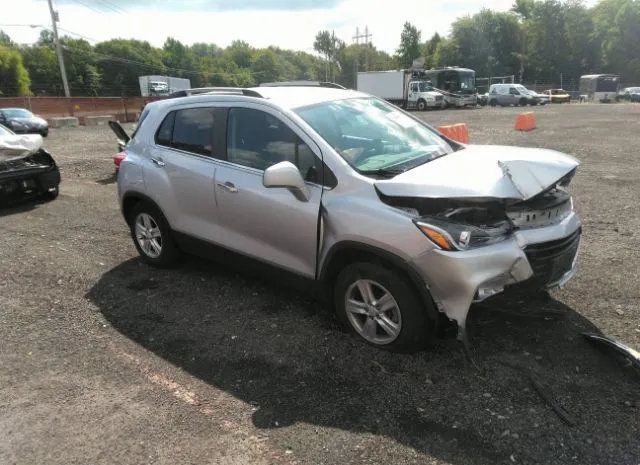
(458,132)
(526,122)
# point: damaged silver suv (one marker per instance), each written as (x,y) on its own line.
(396,223)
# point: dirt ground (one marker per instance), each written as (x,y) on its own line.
(105,361)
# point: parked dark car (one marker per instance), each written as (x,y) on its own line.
(22,121)
(26,169)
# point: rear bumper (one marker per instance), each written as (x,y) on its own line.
(545,258)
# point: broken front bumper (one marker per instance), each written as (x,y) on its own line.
(545,257)
(26,177)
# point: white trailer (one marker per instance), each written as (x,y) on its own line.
(151,86)
(404,88)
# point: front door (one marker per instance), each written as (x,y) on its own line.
(269,224)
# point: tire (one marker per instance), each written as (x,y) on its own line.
(414,330)
(523,102)
(493,103)
(422,105)
(149,216)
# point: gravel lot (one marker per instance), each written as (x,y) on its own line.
(105,361)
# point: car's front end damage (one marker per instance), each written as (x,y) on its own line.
(26,170)
(505,219)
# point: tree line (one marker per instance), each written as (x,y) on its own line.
(537,40)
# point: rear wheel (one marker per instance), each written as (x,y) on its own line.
(378,305)
(152,236)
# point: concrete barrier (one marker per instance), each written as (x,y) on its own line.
(64,122)
(97,120)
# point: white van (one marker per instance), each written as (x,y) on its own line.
(511,94)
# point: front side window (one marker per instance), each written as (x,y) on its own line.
(259,140)
(373,136)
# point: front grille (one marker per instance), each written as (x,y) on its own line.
(551,260)
(540,217)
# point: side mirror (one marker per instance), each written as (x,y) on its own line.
(286,174)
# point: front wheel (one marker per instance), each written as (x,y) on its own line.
(152,236)
(422,105)
(379,306)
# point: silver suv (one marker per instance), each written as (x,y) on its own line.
(396,223)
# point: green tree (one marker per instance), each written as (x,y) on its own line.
(6,40)
(178,58)
(14,77)
(329,45)
(121,62)
(409,48)
(80,62)
(42,65)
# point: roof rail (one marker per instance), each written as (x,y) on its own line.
(215,90)
(331,85)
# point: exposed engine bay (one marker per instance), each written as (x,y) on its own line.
(548,207)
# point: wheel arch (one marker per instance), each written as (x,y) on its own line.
(132,198)
(344,253)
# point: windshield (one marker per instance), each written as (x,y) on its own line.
(467,82)
(372,135)
(424,87)
(522,89)
(17,113)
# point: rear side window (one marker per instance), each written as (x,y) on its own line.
(190,130)
(143,116)
(163,136)
(193,130)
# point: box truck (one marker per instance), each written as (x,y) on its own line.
(160,86)
(405,88)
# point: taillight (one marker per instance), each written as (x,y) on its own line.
(118,159)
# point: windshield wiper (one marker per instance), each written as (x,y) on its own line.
(386,172)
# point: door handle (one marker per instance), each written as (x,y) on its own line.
(158,161)
(228,186)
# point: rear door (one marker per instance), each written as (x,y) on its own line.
(179,176)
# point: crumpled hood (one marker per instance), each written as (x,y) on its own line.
(483,171)
(17,146)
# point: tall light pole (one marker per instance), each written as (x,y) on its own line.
(63,71)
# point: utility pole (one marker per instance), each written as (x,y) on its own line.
(367,43)
(63,72)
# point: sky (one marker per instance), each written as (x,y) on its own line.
(290,24)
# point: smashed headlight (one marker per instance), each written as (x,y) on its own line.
(465,228)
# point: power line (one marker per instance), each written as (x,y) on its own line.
(104,3)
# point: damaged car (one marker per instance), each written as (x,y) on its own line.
(397,225)
(26,169)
